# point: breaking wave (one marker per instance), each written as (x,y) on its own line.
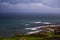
(42,22)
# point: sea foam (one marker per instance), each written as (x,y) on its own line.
(46,23)
(33,32)
(31,28)
(36,22)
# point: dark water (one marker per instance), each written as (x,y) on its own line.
(8,27)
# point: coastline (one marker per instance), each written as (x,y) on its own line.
(40,28)
(48,32)
(37,29)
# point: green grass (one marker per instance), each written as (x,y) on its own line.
(32,38)
(42,38)
(9,38)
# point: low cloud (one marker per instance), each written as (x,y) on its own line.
(23,5)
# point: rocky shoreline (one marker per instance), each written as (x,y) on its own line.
(49,32)
(44,31)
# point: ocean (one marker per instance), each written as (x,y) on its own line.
(8,27)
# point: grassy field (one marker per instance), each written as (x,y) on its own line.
(56,37)
(16,38)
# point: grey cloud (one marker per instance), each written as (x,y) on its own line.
(52,3)
(32,7)
(21,1)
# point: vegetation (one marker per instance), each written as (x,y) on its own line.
(56,37)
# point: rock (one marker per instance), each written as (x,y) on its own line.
(47,31)
(41,33)
(19,35)
(21,39)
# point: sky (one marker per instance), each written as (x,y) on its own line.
(38,6)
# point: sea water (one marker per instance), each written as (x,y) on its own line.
(8,27)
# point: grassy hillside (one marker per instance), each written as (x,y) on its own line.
(53,37)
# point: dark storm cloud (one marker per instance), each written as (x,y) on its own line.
(41,6)
(21,1)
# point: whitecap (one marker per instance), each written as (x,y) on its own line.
(31,28)
(46,23)
(34,28)
(36,22)
(34,32)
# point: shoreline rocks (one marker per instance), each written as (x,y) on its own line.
(46,31)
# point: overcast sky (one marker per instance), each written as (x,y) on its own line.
(38,6)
